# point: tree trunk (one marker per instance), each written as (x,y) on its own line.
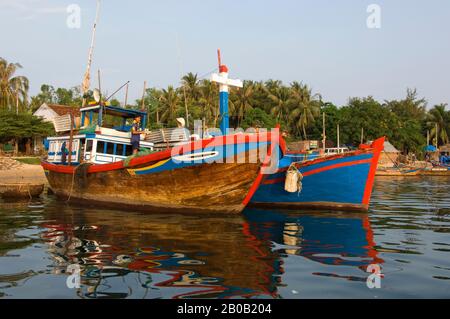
(16,147)
(28,147)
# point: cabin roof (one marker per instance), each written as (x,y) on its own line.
(116,111)
(64,109)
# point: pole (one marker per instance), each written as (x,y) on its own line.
(99,85)
(184,86)
(428,137)
(86,81)
(126,97)
(362,135)
(143,96)
(324,137)
(437,136)
(69,161)
(338,138)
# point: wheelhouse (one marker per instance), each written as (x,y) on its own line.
(103,136)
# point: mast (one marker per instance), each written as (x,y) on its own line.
(224,84)
(87,76)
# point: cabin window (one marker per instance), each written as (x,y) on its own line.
(100,147)
(120,150)
(128,150)
(89,144)
(109,148)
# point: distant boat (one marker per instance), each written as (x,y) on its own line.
(342,181)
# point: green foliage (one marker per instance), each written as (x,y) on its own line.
(299,110)
(23,125)
(258,118)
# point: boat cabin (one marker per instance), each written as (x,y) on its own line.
(102,135)
(336,150)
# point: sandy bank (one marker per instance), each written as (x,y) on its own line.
(20,173)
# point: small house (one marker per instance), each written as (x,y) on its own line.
(49,112)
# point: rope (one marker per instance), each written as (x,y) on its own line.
(71,186)
(73,178)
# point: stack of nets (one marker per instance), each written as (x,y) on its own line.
(89,130)
(142,152)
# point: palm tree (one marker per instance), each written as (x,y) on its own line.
(280,97)
(273,85)
(169,100)
(242,103)
(191,83)
(439,117)
(208,101)
(13,89)
(305,106)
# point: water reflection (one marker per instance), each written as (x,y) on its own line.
(126,254)
(175,256)
(329,238)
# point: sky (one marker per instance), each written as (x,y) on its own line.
(324,43)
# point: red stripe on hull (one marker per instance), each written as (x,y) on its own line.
(378,147)
(319,170)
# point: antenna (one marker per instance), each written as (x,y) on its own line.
(184,86)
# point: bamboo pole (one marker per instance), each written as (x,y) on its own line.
(86,81)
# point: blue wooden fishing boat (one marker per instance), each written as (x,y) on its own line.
(342,181)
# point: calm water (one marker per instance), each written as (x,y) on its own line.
(261,254)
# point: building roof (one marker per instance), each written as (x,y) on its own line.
(389,148)
(64,109)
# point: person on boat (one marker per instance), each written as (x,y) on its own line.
(64,153)
(136,135)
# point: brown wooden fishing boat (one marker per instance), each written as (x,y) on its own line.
(214,182)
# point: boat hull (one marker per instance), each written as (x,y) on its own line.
(181,190)
(336,182)
(215,182)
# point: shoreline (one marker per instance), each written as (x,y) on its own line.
(24,174)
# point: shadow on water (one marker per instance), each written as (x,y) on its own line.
(137,255)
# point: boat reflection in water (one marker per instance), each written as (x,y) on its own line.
(123,255)
(329,238)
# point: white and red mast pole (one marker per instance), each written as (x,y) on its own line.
(224,84)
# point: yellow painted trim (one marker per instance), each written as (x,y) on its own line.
(160,163)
